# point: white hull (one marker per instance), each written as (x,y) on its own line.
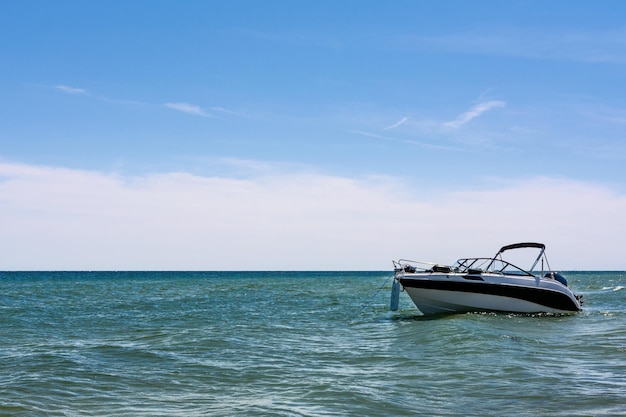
(438,301)
(452,293)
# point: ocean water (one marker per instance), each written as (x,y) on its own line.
(296,344)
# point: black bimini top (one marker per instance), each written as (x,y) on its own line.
(523,245)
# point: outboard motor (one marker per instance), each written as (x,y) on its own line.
(557,276)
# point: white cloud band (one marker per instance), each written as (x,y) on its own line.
(56,218)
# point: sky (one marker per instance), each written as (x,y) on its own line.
(325,135)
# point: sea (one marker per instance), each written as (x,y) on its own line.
(297,344)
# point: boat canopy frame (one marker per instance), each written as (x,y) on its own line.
(496,264)
(522,245)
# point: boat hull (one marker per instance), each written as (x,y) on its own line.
(435,293)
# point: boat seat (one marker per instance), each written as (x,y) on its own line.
(556,276)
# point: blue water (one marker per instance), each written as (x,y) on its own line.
(296,344)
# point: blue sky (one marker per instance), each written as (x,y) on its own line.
(310,135)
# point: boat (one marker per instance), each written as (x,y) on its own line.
(486,284)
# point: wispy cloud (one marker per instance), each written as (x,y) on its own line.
(187,108)
(297,38)
(226,111)
(95,96)
(184,107)
(407,141)
(364,133)
(474,112)
(583,46)
(71,90)
(398,123)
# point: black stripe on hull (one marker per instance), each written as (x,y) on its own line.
(545,297)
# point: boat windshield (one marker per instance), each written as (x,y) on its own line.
(517,253)
(473,265)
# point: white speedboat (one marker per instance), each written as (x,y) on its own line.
(486,284)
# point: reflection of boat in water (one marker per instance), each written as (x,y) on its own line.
(485,284)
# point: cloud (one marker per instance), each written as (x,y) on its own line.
(59,218)
(178,106)
(474,112)
(408,141)
(605,46)
(71,90)
(187,108)
(397,124)
(80,91)
(367,134)
(226,111)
